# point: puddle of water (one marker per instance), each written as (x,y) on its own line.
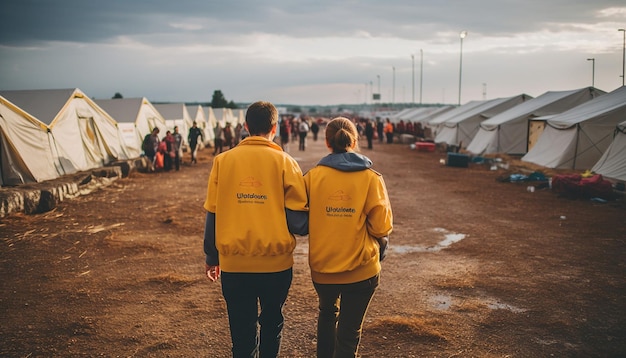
(441,302)
(504,306)
(449,239)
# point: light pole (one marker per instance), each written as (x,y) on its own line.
(393,89)
(623,53)
(378,89)
(421,73)
(413,78)
(462,36)
(593,71)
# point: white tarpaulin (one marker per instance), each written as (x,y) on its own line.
(577,138)
(223,116)
(612,164)
(461,128)
(26,147)
(136,117)
(211,123)
(425,116)
(507,132)
(86,137)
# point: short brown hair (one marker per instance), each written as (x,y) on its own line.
(261,117)
(341,135)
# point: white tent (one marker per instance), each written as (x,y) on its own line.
(402,114)
(86,137)
(176,114)
(507,132)
(239,115)
(425,113)
(136,117)
(612,164)
(462,128)
(26,147)
(224,115)
(438,120)
(577,138)
(211,123)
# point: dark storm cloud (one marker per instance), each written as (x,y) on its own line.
(28,22)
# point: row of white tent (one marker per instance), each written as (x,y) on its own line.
(45,134)
(578,129)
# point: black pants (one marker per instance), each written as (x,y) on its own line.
(342,311)
(219,146)
(243,293)
(302,145)
(192,147)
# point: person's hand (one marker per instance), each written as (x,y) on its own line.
(212,272)
(383,242)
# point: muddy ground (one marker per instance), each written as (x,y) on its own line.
(477,268)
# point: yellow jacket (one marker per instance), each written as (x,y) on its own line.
(348,208)
(250,189)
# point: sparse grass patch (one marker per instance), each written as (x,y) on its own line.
(415,327)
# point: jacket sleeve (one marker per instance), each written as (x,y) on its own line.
(298,222)
(379,215)
(212,255)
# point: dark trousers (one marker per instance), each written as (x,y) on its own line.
(177,160)
(244,293)
(168,162)
(302,144)
(340,321)
(370,139)
(192,147)
(219,146)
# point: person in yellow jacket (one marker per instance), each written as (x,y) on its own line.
(256,201)
(350,219)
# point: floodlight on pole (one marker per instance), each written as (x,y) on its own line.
(462,35)
(421,72)
(623,53)
(393,86)
(413,78)
(593,71)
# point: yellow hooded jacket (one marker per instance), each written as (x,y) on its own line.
(348,208)
(250,189)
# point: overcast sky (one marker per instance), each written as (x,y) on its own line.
(311,52)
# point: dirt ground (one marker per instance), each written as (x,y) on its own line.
(477,268)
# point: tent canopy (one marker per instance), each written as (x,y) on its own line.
(612,164)
(85,135)
(577,138)
(136,118)
(462,127)
(26,147)
(507,132)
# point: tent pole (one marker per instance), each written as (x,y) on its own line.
(576,147)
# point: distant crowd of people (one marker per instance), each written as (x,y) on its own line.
(167,153)
(292,128)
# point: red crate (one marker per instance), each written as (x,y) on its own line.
(425,146)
